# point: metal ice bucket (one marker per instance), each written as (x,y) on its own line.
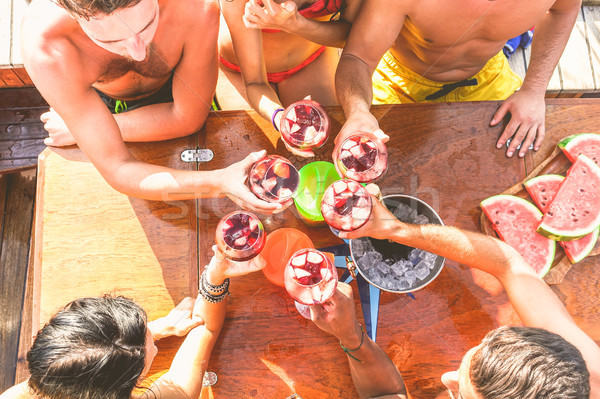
(385,247)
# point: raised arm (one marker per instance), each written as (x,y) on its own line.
(535,303)
(184,378)
(527,106)
(194,80)
(373,372)
(267,14)
(373,32)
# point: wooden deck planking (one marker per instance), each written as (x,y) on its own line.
(21,131)
(5,31)
(16,232)
(592,21)
(574,66)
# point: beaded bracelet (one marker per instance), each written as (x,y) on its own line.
(278,110)
(204,290)
(215,288)
(362,338)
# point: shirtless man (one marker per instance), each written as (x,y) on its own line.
(426,45)
(551,357)
(155,59)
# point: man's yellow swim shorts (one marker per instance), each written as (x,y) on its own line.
(395,84)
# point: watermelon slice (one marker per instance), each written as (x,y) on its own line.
(515,220)
(542,190)
(587,144)
(575,210)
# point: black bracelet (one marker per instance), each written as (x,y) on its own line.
(204,290)
(362,339)
(215,288)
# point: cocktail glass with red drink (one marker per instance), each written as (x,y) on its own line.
(310,278)
(361,157)
(240,236)
(346,205)
(304,125)
(273,179)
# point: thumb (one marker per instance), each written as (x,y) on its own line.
(48,141)
(253,157)
(381,135)
(316,313)
(499,115)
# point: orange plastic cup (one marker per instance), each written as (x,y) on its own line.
(280,246)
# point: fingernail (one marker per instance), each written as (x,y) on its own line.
(498,146)
(493,121)
(521,154)
(509,153)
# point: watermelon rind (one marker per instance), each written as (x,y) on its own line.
(584,252)
(488,204)
(576,233)
(531,186)
(569,143)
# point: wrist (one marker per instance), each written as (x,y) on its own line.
(352,338)
(213,275)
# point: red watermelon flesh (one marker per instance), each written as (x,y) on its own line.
(542,190)
(516,220)
(587,144)
(575,210)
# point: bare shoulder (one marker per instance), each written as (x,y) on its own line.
(566,5)
(20,391)
(49,42)
(194,13)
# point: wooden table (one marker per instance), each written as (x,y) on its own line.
(90,239)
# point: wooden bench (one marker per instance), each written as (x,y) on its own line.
(12,72)
(578,71)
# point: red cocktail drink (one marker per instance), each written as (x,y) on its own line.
(310,277)
(274,179)
(361,157)
(240,236)
(346,205)
(304,125)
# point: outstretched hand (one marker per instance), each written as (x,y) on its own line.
(267,14)
(178,322)
(235,187)
(221,268)
(527,121)
(337,316)
(361,122)
(381,221)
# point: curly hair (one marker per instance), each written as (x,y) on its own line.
(92,348)
(91,8)
(528,363)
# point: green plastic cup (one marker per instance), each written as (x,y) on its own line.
(314,180)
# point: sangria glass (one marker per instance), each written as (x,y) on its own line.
(274,179)
(346,205)
(304,125)
(240,236)
(361,157)
(310,278)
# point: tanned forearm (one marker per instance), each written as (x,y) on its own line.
(159,122)
(353,85)
(373,374)
(263,99)
(326,33)
(549,40)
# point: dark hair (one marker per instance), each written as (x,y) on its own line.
(91,8)
(528,363)
(92,348)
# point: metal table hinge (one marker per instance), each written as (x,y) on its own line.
(197,155)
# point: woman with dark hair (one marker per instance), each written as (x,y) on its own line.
(103,347)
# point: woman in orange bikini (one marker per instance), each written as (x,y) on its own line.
(276,53)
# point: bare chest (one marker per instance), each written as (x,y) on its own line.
(449,22)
